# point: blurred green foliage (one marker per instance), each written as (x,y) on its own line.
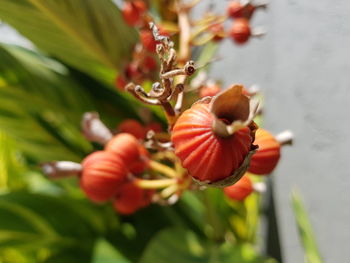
(81,46)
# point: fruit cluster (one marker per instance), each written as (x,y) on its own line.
(215,142)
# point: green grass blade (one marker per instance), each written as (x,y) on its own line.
(306,234)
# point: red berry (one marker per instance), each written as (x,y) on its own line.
(133,127)
(130,14)
(154,126)
(133,11)
(240,190)
(148,40)
(102,173)
(149,64)
(131,198)
(268,154)
(127,148)
(207,156)
(211,89)
(240,31)
(141,164)
(218,31)
(236,10)
(140,5)
(120,82)
(132,71)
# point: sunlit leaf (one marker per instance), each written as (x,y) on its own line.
(89,35)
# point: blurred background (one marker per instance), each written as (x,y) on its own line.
(302,66)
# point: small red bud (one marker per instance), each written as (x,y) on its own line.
(130,198)
(149,64)
(154,126)
(132,71)
(240,31)
(140,165)
(148,40)
(125,146)
(133,127)
(130,14)
(128,148)
(236,10)
(240,190)
(120,82)
(210,89)
(218,31)
(102,173)
(133,11)
(140,5)
(268,154)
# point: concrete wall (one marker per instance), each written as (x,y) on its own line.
(303,68)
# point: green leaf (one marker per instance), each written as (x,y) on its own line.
(65,228)
(104,252)
(89,35)
(306,234)
(176,245)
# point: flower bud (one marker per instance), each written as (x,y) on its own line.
(268,154)
(209,90)
(133,11)
(240,190)
(236,9)
(133,127)
(147,40)
(120,82)
(130,151)
(218,31)
(103,172)
(240,31)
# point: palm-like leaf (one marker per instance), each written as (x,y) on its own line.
(89,35)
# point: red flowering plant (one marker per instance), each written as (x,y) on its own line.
(186,172)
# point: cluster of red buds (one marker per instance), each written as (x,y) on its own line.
(144,64)
(241,11)
(213,143)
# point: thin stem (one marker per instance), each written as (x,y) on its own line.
(163,169)
(169,191)
(155,184)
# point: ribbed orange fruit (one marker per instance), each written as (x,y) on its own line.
(130,151)
(268,154)
(208,157)
(240,190)
(103,172)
